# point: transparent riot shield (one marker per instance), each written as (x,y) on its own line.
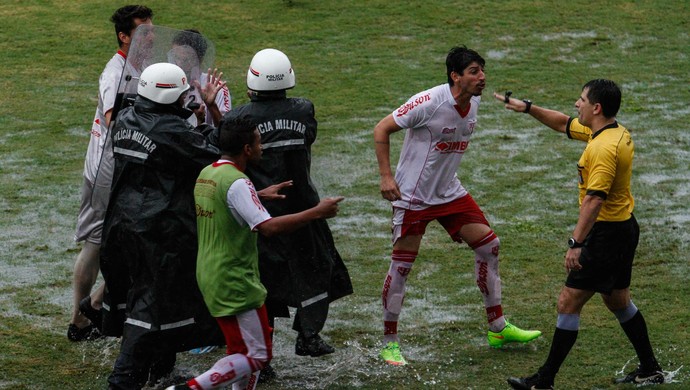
(152,44)
(189,50)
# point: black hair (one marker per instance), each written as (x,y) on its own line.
(606,93)
(459,58)
(194,39)
(123,19)
(234,134)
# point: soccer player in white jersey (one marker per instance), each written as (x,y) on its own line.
(439,123)
(188,51)
(94,203)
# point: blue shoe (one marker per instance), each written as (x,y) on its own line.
(203,350)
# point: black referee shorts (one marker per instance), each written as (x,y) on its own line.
(607,257)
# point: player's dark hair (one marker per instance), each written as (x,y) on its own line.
(606,93)
(234,134)
(459,58)
(193,39)
(123,19)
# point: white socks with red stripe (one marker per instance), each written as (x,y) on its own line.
(488,280)
(233,369)
(393,292)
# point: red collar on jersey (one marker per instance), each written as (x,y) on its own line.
(224,162)
(461,112)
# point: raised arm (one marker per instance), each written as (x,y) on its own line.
(209,91)
(553,119)
(382,132)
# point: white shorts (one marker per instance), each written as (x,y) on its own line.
(91,214)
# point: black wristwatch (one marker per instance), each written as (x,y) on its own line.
(528,105)
(574,244)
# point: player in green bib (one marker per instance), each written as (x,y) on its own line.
(229,214)
(228,271)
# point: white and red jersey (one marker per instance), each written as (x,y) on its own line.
(223,101)
(436,139)
(244,204)
(108,84)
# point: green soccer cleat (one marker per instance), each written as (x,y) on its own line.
(511,334)
(391,354)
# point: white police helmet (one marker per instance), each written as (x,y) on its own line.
(162,83)
(270,70)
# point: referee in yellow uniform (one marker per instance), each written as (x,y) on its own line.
(601,249)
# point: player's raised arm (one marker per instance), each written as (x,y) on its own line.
(209,91)
(382,132)
(551,118)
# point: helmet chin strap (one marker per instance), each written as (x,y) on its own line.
(266,95)
(178,108)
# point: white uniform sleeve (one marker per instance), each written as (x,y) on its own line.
(244,204)
(107,85)
(413,113)
(223,100)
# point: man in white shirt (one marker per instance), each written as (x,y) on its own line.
(439,123)
(93,202)
(189,52)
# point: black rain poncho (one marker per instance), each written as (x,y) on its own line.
(303,268)
(148,254)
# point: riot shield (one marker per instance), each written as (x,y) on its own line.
(151,44)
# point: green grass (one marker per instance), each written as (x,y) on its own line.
(357,61)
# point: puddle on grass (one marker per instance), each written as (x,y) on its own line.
(672,374)
(349,362)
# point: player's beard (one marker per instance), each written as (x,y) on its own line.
(479,89)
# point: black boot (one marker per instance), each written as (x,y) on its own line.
(89,332)
(535,382)
(313,346)
(89,312)
(267,374)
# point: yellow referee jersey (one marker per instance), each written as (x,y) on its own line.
(605,168)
